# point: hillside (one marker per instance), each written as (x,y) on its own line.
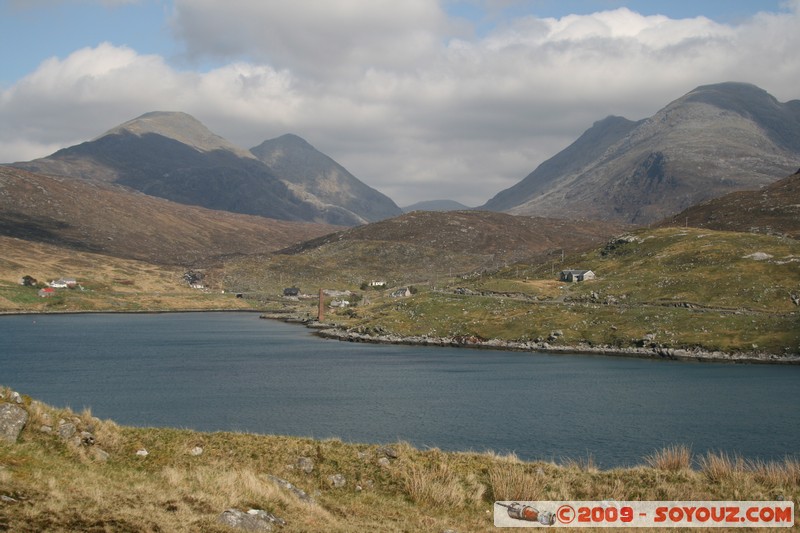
(103,218)
(670,292)
(418,247)
(105,283)
(314,176)
(87,474)
(714,140)
(174,156)
(774,210)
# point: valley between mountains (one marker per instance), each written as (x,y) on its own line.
(686,222)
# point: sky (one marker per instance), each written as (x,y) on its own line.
(420,99)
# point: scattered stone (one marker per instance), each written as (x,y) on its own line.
(554,335)
(142,453)
(359,488)
(795,299)
(15,397)
(388,451)
(306,464)
(12,419)
(87,439)
(99,454)
(253,520)
(362,456)
(301,494)
(337,480)
(384,462)
(7,499)
(197,450)
(46,429)
(758,256)
(66,429)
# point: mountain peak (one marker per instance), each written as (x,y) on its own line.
(307,171)
(178,126)
(711,141)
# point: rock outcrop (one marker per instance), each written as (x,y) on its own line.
(12,420)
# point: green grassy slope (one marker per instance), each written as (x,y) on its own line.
(671,287)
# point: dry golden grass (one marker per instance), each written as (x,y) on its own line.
(672,458)
(60,486)
(111,284)
(516,482)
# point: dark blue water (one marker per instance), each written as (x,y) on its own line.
(232,371)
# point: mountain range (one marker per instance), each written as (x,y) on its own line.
(714,140)
(174,156)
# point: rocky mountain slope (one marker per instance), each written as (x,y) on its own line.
(174,156)
(712,141)
(318,179)
(774,209)
(104,218)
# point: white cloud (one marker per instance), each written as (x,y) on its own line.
(394,91)
(309,36)
(31,4)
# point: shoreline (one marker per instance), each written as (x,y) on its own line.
(332,332)
(128,312)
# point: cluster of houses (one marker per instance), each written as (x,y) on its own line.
(340,297)
(61,283)
(568,276)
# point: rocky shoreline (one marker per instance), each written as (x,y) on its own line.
(647,351)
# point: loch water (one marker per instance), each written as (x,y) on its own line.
(235,372)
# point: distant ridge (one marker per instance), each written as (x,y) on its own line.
(436,205)
(714,140)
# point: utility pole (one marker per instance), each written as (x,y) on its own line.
(321,314)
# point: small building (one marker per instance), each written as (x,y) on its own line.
(64,283)
(291,292)
(47,292)
(378,284)
(576,275)
(340,303)
(402,292)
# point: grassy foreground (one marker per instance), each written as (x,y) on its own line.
(49,482)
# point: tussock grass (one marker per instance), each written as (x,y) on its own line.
(516,482)
(720,466)
(438,486)
(59,486)
(673,458)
